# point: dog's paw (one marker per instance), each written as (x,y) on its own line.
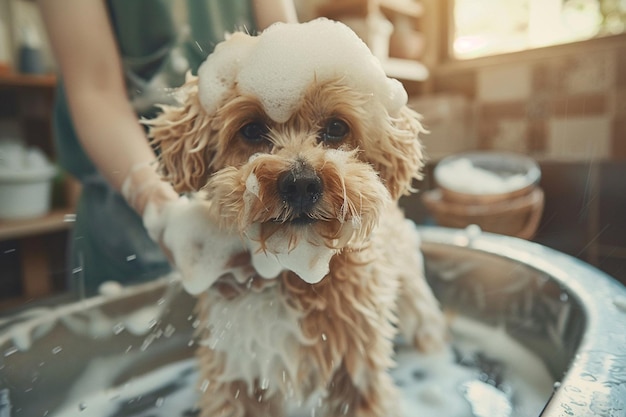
(198,248)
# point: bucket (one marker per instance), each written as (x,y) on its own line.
(494,190)
(25,181)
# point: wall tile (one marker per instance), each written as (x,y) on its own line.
(511,136)
(582,138)
(508,83)
(590,73)
(620,76)
(619,139)
(497,110)
(537,136)
(579,105)
(619,101)
(547,76)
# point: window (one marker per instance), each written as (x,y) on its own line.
(489,27)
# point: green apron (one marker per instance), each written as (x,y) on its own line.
(159,40)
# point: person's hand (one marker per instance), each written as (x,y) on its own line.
(185,230)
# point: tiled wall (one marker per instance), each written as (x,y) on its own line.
(568,112)
(568,108)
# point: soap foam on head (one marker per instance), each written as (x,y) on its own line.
(278,66)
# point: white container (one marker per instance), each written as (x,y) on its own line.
(25,195)
(25,182)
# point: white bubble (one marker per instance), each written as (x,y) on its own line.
(278,66)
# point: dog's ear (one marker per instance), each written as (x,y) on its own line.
(397,154)
(181,135)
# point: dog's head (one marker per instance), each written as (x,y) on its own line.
(296,132)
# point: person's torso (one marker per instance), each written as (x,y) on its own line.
(159,41)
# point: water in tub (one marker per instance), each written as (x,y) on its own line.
(483,373)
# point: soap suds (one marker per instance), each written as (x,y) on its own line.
(446,384)
(462,176)
(308,260)
(280,64)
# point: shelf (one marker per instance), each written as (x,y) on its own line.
(335,9)
(409,8)
(14,79)
(56,220)
(405,69)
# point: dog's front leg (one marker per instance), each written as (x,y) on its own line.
(372,394)
(234,398)
(421,320)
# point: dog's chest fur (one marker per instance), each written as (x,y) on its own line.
(291,337)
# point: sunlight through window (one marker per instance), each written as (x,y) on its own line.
(489,27)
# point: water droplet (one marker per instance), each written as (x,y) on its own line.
(82,406)
(69,217)
(345,407)
(265,383)
(131,258)
(10,351)
(159,402)
(588,377)
(118,328)
(324,337)
(205,385)
(564,297)
(237,394)
(169,330)
(57,350)
(620,303)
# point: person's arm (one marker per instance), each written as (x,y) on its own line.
(82,40)
(272,11)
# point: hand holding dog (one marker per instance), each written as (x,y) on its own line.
(184,229)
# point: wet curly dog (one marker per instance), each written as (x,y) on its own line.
(300,143)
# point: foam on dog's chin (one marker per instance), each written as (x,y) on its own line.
(307,260)
(278,66)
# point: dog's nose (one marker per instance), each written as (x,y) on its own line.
(301,188)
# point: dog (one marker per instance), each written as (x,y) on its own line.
(300,144)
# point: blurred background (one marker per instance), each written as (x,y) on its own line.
(544,79)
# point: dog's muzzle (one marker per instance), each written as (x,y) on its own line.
(300,188)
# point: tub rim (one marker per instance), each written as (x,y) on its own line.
(602,299)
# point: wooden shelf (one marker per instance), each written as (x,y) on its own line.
(14,79)
(405,69)
(335,9)
(410,8)
(56,220)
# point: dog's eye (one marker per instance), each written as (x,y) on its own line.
(334,131)
(254,132)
